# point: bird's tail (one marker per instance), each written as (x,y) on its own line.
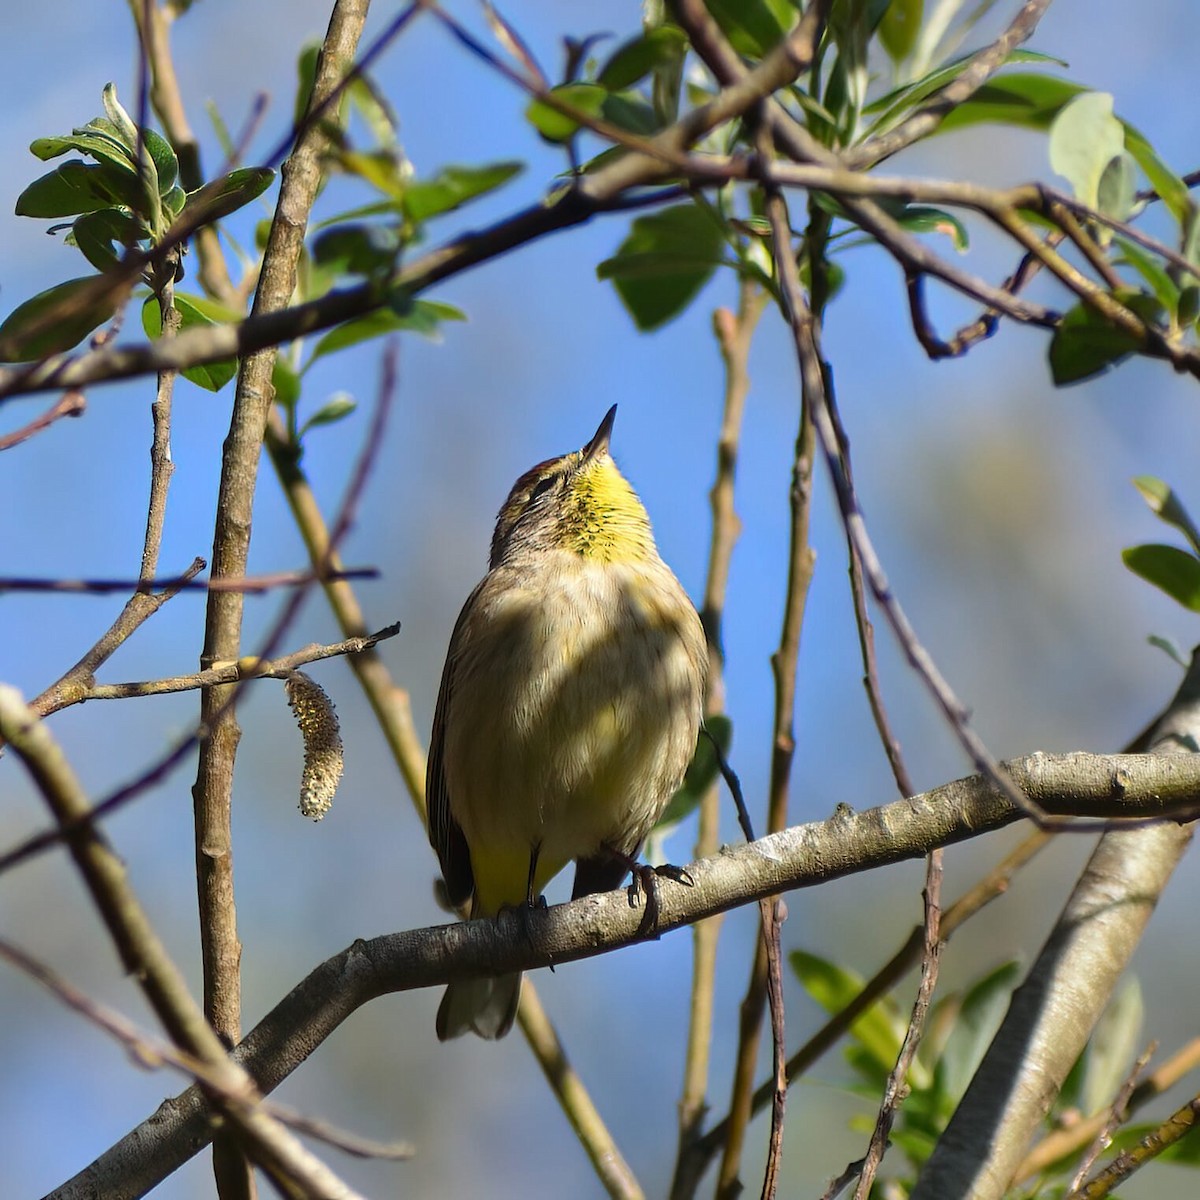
(486,1007)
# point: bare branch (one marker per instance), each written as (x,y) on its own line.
(1130,785)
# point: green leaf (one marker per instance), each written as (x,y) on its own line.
(1025,99)
(163,156)
(103,235)
(879,1031)
(454,186)
(701,773)
(632,112)
(586,98)
(226,195)
(56,319)
(1170,649)
(122,122)
(306,76)
(1166,505)
(1084,138)
(78,187)
(979,1017)
(357,249)
(664,262)
(423,317)
(633,60)
(1114,1045)
(286,383)
(1086,344)
(1116,193)
(922,219)
(96,145)
(753,26)
(900,26)
(339,407)
(898,103)
(195,312)
(1163,180)
(1174,571)
(1152,271)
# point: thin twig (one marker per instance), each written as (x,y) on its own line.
(213,791)
(773,912)
(246,668)
(1060,1144)
(1181,1122)
(734,333)
(71,403)
(152,1053)
(144,956)
(138,608)
(931,112)
(801,559)
(992,885)
(896,1088)
(803,856)
(1116,1113)
(244,584)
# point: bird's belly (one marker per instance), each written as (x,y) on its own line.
(573,719)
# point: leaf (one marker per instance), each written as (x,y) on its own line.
(1149,268)
(454,186)
(753,26)
(95,145)
(979,1017)
(587,98)
(901,101)
(633,60)
(122,122)
(1114,1045)
(78,187)
(1086,344)
(286,383)
(1025,99)
(1163,180)
(923,219)
(103,235)
(900,26)
(195,312)
(664,262)
(1170,569)
(56,319)
(701,773)
(423,317)
(357,249)
(1116,193)
(306,76)
(1170,649)
(1084,138)
(339,407)
(226,195)
(879,1031)
(1166,505)
(163,156)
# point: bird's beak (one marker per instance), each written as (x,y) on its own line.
(599,443)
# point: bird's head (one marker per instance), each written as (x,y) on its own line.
(579,502)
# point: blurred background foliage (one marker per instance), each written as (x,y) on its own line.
(999,504)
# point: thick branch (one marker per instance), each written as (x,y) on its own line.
(1053,1012)
(1075,784)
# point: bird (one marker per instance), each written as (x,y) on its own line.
(568,711)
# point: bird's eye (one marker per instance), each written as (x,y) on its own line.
(542,486)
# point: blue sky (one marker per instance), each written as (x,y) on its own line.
(998,504)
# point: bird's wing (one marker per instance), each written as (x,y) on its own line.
(445,833)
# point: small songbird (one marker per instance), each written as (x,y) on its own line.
(569,706)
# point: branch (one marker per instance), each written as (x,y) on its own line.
(1142,786)
(235,672)
(1052,1014)
(146,960)
(71,403)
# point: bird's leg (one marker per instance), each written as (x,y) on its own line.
(533,900)
(644,881)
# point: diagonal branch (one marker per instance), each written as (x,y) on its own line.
(1142,786)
